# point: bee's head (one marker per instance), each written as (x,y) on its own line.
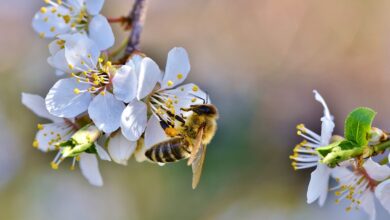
(204,109)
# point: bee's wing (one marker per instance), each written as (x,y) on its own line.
(196,146)
(197,165)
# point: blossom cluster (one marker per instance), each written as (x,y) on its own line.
(102,108)
(361,175)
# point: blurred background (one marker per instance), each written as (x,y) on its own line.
(258,59)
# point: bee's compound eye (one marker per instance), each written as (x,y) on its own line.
(204,110)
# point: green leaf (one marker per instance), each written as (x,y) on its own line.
(348,145)
(325,150)
(357,126)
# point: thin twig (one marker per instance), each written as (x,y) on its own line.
(137,15)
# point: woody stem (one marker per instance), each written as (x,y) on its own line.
(137,15)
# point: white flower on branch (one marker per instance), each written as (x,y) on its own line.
(305,155)
(72,16)
(360,185)
(60,130)
(159,95)
(90,88)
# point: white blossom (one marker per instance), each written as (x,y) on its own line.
(305,155)
(60,130)
(74,16)
(360,186)
(160,93)
(90,87)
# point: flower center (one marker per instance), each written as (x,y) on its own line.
(99,79)
(354,187)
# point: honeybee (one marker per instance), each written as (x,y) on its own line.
(189,140)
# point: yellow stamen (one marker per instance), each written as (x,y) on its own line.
(195,88)
(169,83)
(66,18)
(35,143)
(39,126)
(54,166)
(76,91)
(179,76)
(43,10)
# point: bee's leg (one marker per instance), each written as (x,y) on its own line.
(179,118)
(164,124)
(186,109)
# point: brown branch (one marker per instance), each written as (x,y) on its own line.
(137,15)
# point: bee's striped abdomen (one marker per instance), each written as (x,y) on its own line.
(169,151)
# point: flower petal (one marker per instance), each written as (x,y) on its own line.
(125,84)
(135,62)
(154,133)
(76,4)
(51,134)
(90,169)
(94,6)
(37,105)
(376,171)
(61,100)
(382,192)
(187,95)
(105,111)
(120,148)
(81,52)
(368,204)
(318,186)
(58,61)
(48,24)
(133,121)
(139,153)
(177,68)
(100,31)
(101,152)
(149,75)
(54,46)
(57,44)
(327,121)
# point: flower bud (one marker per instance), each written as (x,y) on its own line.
(81,141)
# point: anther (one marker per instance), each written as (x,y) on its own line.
(35,143)
(43,10)
(54,165)
(195,88)
(39,126)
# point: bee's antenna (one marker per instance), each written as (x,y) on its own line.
(203,99)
